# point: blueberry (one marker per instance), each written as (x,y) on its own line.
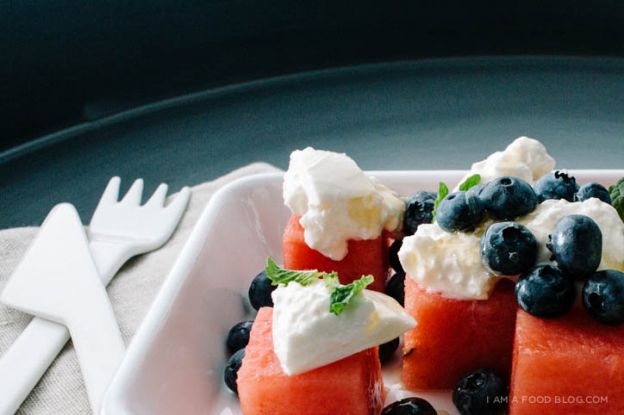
(603,296)
(230,374)
(460,211)
(556,185)
(590,190)
(238,336)
(395,287)
(476,189)
(418,210)
(508,197)
(386,350)
(508,248)
(545,292)
(393,255)
(260,291)
(576,245)
(409,406)
(482,392)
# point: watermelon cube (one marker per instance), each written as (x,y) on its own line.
(351,386)
(365,257)
(454,337)
(567,365)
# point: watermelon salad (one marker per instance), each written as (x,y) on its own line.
(507,289)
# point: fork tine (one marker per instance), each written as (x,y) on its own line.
(134,194)
(111,193)
(158,198)
(109,196)
(179,204)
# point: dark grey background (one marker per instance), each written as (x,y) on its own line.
(63,62)
(429,114)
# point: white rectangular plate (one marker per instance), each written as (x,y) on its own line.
(175,362)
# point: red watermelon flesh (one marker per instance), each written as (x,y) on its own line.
(567,365)
(454,337)
(365,257)
(351,386)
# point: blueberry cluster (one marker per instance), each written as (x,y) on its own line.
(550,290)
(560,185)
(238,337)
(509,248)
(419,209)
(236,341)
(576,247)
(504,198)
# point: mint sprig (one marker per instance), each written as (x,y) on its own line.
(442,193)
(471,181)
(340,295)
(617,197)
(279,275)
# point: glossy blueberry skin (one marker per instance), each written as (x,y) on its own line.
(482,392)
(409,406)
(386,350)
(576,245)
(590,190)
(476,189)
(393,255)
(603,296)
(460,211)
(556,185)
(507,197)
(260,291)
(545,291)
(395,287)
(508,248)
(418,210)
(238,336)
(230,373)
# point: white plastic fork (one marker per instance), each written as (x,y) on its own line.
(118,231)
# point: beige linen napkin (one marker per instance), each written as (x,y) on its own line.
(61,390)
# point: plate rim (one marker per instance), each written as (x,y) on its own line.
(599,62)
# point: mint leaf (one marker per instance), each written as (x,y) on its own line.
(471,181)
(342,295)
(442,193)
(331,281)
(279,275)
(617,197)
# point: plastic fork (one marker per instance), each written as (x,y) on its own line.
(118,231)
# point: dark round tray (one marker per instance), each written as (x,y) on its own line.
(430,114)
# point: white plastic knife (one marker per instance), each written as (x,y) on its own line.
(58,280)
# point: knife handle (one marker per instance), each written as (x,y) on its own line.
(98,344)
(28,358)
